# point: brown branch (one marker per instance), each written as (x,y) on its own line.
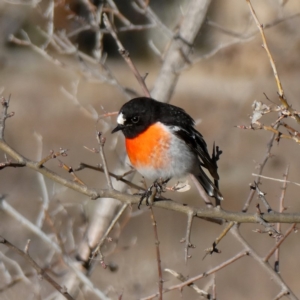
(125,55)
(82,166)
(281,294)
(183,278)
(281,209)
(101,141)
(170,205)
(116,218)
(52,155)
(160,277)
(179,50)
(265,265)
(213,249)
(261,196)
(260,170)
(276,179)
(265,46)
(4,115)
(276,247)
(143,7)
(188,243)
(35,48)
(202,275)
(41,272)
(276,75)
(279,135)
(71,171)
(8,163)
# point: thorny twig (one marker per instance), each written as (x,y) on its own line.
(276,75)
(202,275)
(260,170)
(266,266)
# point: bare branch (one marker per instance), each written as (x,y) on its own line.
(265,265)
(179,50)
(125,55)
(182,278)
(276,179)
(160,277)
(276,75)
(205,274)
(41,272)
(97,250)
(101,140)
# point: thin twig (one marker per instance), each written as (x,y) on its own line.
(101,141)
(82,166)
(41,272)
(183,278)
(202,275)
(4,115)
(276,75)
(160,277)
(52,155)
(283,237)
(25,223)
(262,197)
(260,170)
(265,265)
(214,288)
(116,218)
(281,294)
(213,249)
(49,14)
(71,171)
(276,179)
(281,209)
(188,243)
(41,179)
(259,126)
(125,55)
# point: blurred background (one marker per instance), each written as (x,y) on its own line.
(217,92)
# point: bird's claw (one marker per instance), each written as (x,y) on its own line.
(159,188)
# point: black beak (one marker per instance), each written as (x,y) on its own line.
(119,127)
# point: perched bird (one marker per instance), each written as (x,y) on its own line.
(162,143)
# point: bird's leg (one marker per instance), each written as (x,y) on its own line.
(146,195)
(160,187)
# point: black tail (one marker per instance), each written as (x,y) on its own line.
(210,188)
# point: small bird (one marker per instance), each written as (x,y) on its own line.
(161,143)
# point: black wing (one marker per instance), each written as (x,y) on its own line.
(195,141)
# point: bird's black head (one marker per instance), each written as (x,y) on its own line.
(136,116)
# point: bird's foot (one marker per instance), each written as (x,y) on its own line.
(153,193)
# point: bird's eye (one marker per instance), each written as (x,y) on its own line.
(135,119)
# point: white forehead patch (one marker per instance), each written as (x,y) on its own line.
(120,119)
